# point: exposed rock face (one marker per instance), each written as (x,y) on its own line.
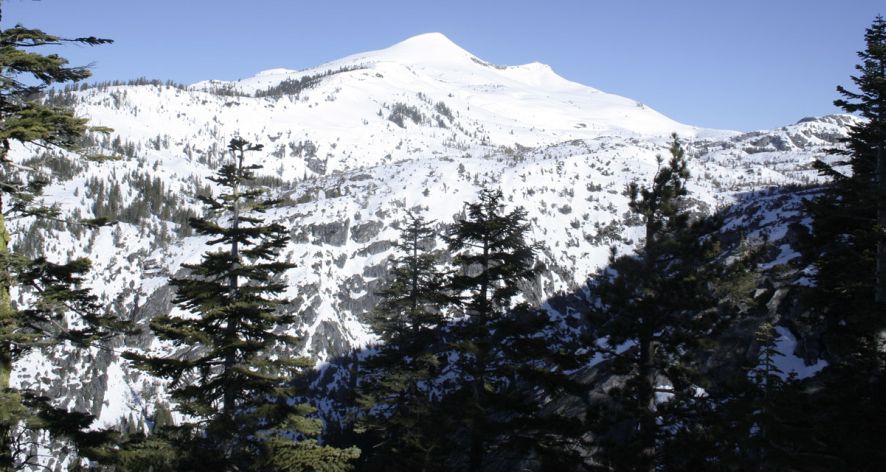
(366,232)
(333,234)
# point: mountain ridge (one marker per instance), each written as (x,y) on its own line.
(439,60)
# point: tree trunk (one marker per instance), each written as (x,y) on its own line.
(478,441)
(413,289)
(5,352)
(230,388)
(646,404)
(646,367)
(5,319)
(484,285)
(880,287)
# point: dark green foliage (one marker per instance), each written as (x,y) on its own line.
(58,423)
(492,255)
(444,110)
(401,111)
(849,252)
(58,166)
(845,229)
(491,250)
(297,86)
(515,374)
(26,120)
(155,453)
(416,292)
(230,382)
(402,427)
(23,198)
(59,310)
(59,291)
(655,311)
(151,198)
(756,418)
(308,455)
(162,417)
(400,420)
(659,205)
(414,419)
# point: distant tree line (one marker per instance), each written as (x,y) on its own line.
(295,87)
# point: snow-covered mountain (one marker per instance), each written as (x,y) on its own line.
(351,145)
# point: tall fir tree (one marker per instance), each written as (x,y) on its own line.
(55,290)
(867,141)
(419,420)
(491,249)
(416,294)
(492,255)
(401,421)
(846,230)
(655,309)
(778,429)
(229,380)
(848,247)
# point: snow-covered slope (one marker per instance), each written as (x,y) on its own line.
(356,143)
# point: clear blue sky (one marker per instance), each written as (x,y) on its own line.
(741,65)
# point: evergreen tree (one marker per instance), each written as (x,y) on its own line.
(766,382)
(416,419)
(229,380)
(56,290)
(756,418)
(523,408)
(655,309)
(779,434)
(867,141)
(849,252)
(490,247)
(400,419)
(413,299)
(846,231)
(493,255)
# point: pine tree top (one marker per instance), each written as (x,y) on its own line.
(870,101)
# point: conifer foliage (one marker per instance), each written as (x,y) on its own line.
(848,247)
(868,141)
(654,309)
(413,299)
(491,248)
(416,419)
(492,255)
(55,290)
(847,228)
(401,422)
(228,377)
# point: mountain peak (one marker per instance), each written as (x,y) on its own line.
(427,48)
(520,96)
(433,39)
